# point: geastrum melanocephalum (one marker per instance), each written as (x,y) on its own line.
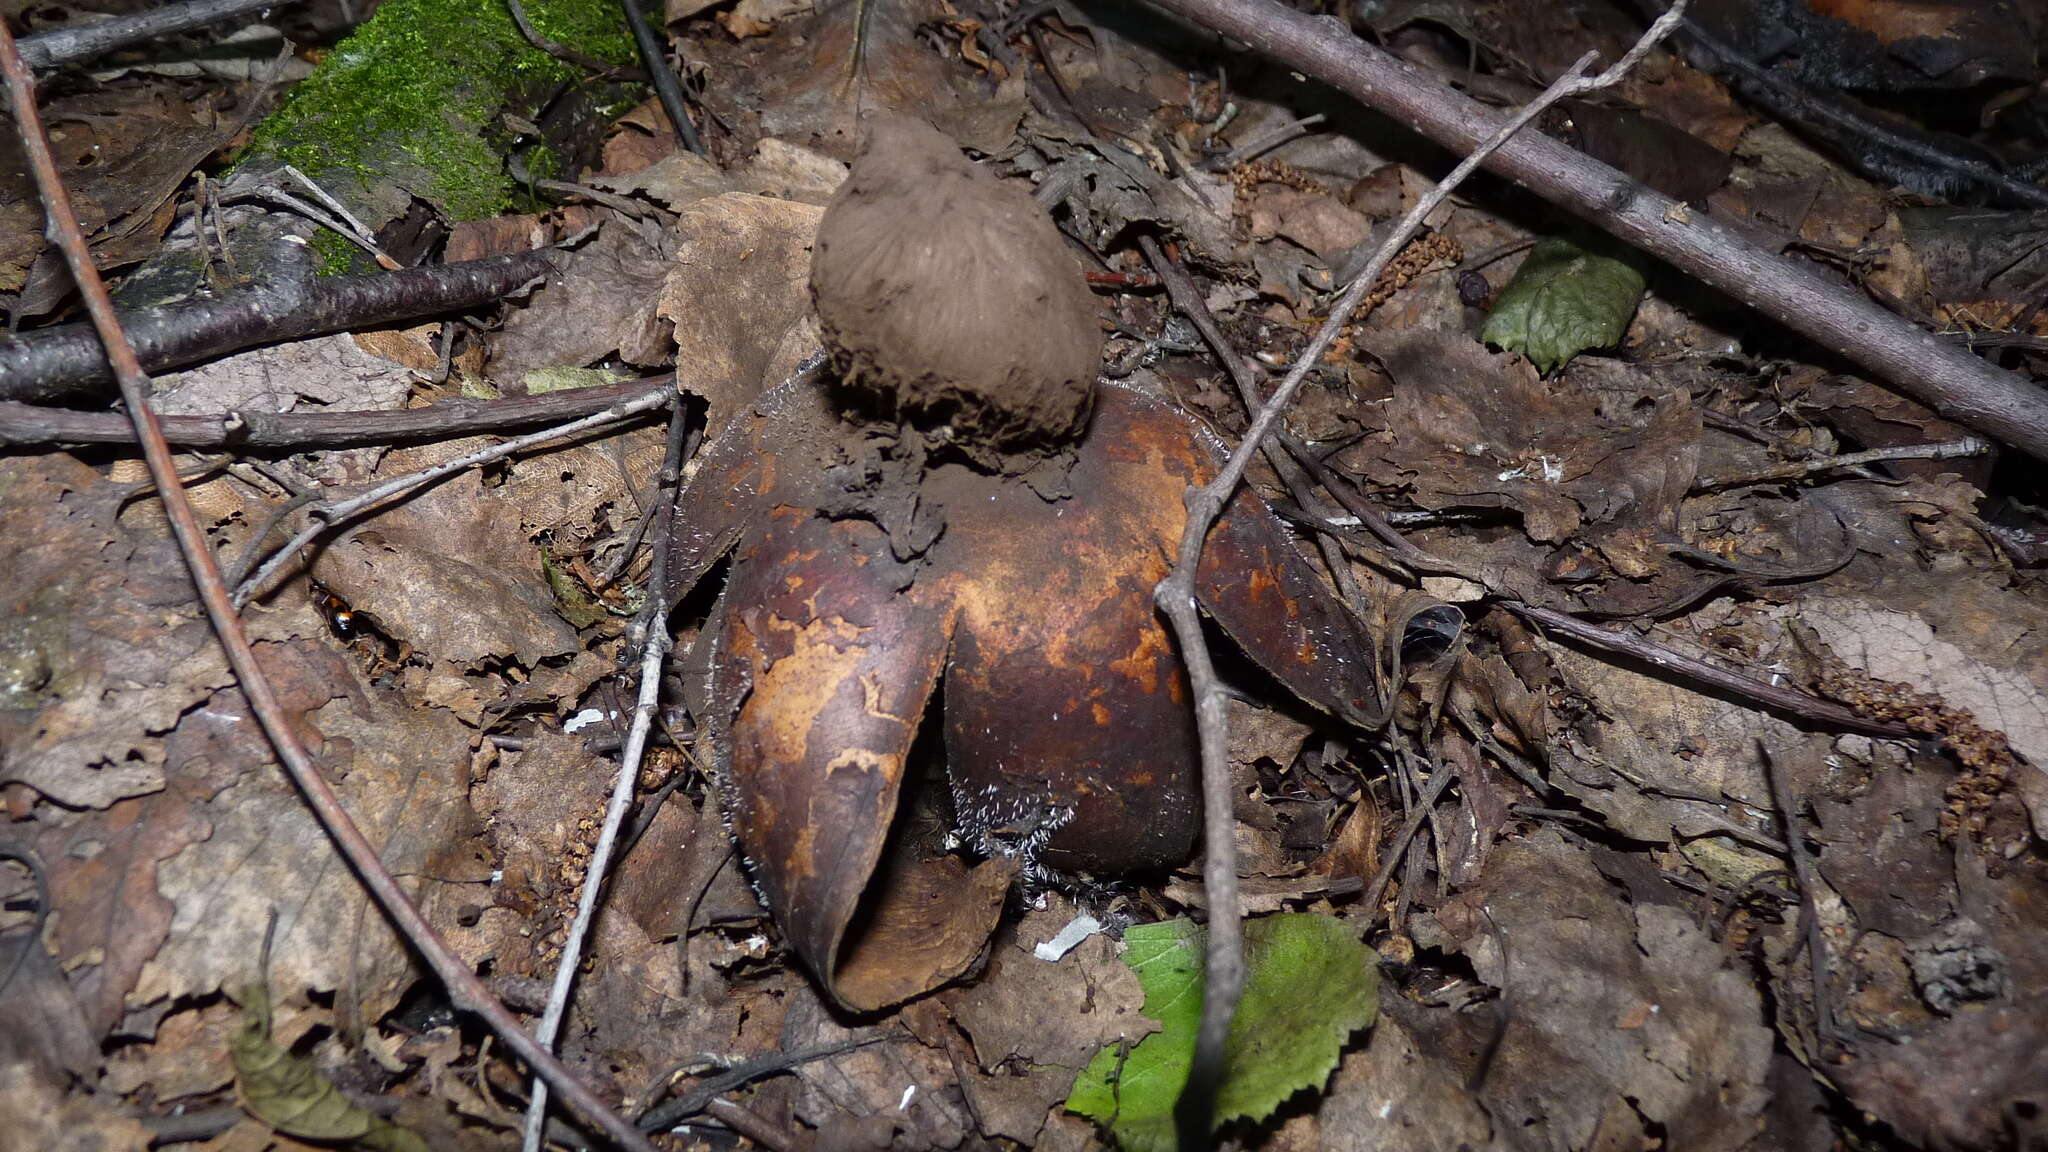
(962,511)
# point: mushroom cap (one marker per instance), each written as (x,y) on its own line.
(945,293)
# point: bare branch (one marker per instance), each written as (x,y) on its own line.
(1950,380)
(1194,1114)
(85,41)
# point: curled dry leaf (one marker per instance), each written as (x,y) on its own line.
(858,588)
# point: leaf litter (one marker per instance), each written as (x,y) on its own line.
(1599,935)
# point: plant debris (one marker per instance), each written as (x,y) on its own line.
(919,798)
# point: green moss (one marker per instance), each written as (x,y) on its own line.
(543,163)
(413,92)
(334,254)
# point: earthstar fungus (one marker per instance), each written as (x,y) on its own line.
(882,553)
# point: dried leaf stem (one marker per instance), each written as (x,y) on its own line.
(327,516)
(1800,469)
(600,861)
(1619,642)
(1194,1114)
(30,425)
(1840,319)
(465,990)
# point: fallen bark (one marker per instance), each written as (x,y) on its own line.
(1953,382)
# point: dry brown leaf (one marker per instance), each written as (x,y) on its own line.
(331,372)
(1391,1096)
(41,1117)
(100,623)
(1611,1005)
(598,302)
(738,296)
(403,775)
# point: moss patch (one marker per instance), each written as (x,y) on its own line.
(412,94)
(334,254)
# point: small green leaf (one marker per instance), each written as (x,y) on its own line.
(286,1092)
(569,379)
(1562,301)
(1310,983)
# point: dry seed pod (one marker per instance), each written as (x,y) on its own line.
(946,294)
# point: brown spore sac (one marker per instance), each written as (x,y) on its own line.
(948,298)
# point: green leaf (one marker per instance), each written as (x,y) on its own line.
(569,379)
(285,1091)
(1562,301)
(1310,983)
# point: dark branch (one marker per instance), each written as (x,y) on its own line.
(70,45)
(1950,380)
(68,362)
(26,425)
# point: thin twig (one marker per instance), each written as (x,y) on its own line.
(465,991)
(681,445)
(1774,697)
(1803,874)
(358,232)
(652,642)
(600,863)
(1837,317)
(747,1124)
(1800,469)
(85,41)
(1194,1114)
(1397,848)
(30,425)
(666,86)
(1267,141)
(1181,289)
(558,51)
(329,516)
(277,196)
(670,1113)
(1788,700)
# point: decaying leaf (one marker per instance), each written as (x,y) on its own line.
(1309,984)
(1563,300)
(286,1092)
(1619,1014)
